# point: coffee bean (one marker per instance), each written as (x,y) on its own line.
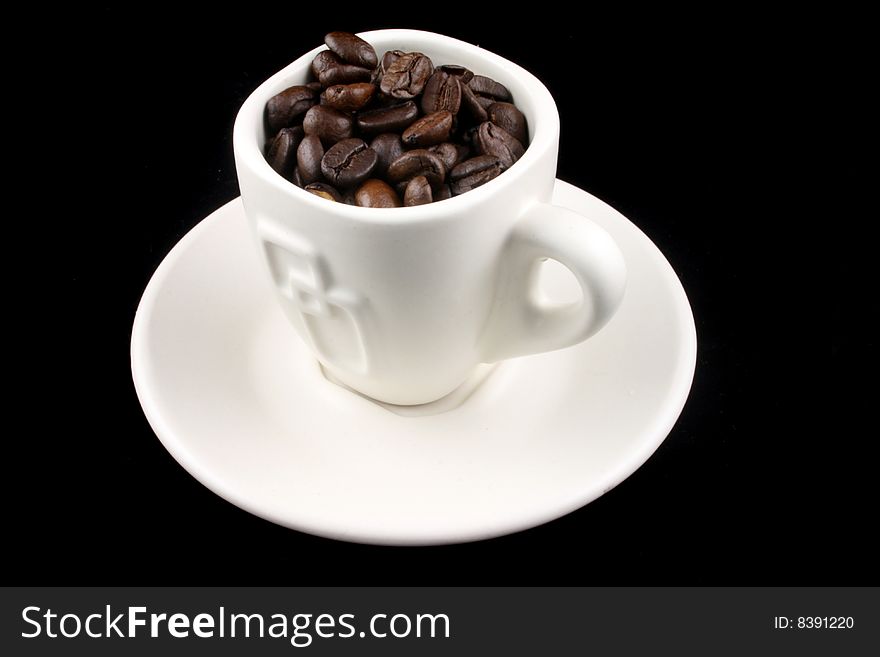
(375,193)
(418,192)
(387,119)
(352,49)
(480,84)
(389,58)
(443,192)
(509,118)
(329,124)
(284,108)
(463,74)
(388,147)
(348,97)
(442,92)
(407,75)
(470,101)
(330,70)
(324,191)
(295,178)
(492,140)
(429,130)
(317,87)
(474,172)
(485,101)
(308,159)
(419,162)
(451,154)
(282,150)
(348,162)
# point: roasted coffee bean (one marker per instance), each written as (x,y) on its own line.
(348,163)
(389,58)
(308,159)
(463,74)
(443,192)
(295,178)
(284,108)
(429,130)
(419,162)
(352,49)
(282,150)
(375,193)
(407,75)
(330,70)
(451,154)
(472,104)
(508,117)
(388,147)
(480,84)
(418,192)
(329,124)
(317,87)
(324,191)
(348,97)
(387,119)
(442,92)
(485,101)
(473,173)
(492,140)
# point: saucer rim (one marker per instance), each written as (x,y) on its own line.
(653,434)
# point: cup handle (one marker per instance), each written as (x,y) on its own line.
(519,324)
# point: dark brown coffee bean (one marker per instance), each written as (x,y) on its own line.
(324,191)
(352,49)
(419,162)
(389,58)
(295,178)
(492,140)
(443,192)
(284,108)
(472,104)
(315,86)
(442,92)
(480,84)
(485,101)
(407,75)
(418,192)
(308,159)
(348,97)
(329,124)
(375,193)
(348,163)
(463,74)
(451,154)
(330,70)
(474,172)
(428,130)
(388,147)
(282,150)
(387,119)
(508,117)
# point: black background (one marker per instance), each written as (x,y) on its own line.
(674,119)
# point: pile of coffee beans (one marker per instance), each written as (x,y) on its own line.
(394,132)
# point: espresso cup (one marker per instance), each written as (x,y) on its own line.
(402,304)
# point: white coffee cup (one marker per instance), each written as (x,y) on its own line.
(402,304)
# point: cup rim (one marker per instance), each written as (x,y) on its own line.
(544,130)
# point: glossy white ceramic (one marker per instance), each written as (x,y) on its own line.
(245,409)
(403,304)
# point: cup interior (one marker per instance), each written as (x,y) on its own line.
(529,95)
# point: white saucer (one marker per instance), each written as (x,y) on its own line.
(238,401)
